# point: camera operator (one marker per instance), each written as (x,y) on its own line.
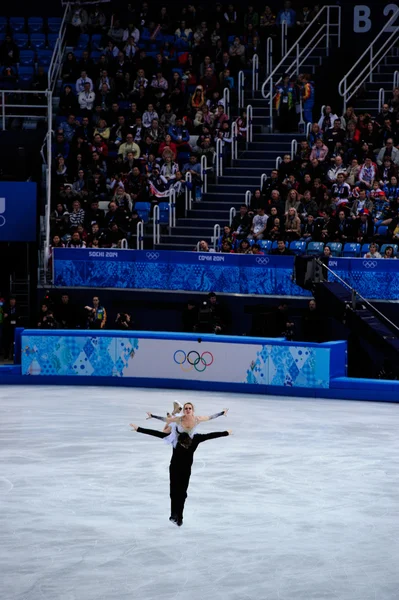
(190,316)
(96,315)
(123,322)
(213,317)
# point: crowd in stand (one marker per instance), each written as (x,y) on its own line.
(341,186)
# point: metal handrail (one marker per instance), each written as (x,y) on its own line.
(124,244)
(234,141)
(372,58)
(58,53)
(156,227)
(284,37)
(294,148)
(255,74)
(298,54)
(396,79)
(216,235)
(248,197)
(381,98)
(219,158)
(140,235)
(250,127)
(233,213)
(279,160)
(263,179)
(204,174)
(269,55)
(188,194)
(226,101)
(241,89)
(172,209)
(308,129)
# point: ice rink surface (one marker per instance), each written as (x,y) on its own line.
(301,503)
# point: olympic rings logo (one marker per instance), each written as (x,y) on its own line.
(152,255)
(369,265)
(262,260)
(194,360)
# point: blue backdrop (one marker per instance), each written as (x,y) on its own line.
(228,273)
(17,212)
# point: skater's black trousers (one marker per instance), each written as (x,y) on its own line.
(180,467)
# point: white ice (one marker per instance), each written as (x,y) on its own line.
(301,503)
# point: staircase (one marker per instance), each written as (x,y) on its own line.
(383,77)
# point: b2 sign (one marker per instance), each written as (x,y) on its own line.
(363,17)
(17,211)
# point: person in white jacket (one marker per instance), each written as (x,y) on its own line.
(86,98)
(326,121)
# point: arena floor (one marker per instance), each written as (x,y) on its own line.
(301,503)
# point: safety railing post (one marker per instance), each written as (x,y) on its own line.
(226,101)
(255,74)
(233,213)
(248,197)
(249,123)
(308,129)
(263,179)
(241,88)
(371,64)
(140,236)
(188,193)
(381,99)
(279,160)
(204,173)
(219,158)
(269,55)
(124,244)
(294,148)
(271,105)
(234,142)
(172,209)
(216,235)
(396,79)
(156,226)
(328,32)
(284,30)
(3,110)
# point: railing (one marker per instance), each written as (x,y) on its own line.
(172,209)
(241,89)
(250,127)
(302,49)
(263,179)
(216,236)
(396,79)
(219,159)
(124,244)
(308,129)
(294,148)
(140,236)
(156,230)
(11,110)
(58,53)
(363,68)
(269,55)
(248,197)
(381,99)
(226,101)
(234,142)
(284,38)
(278,161)
(187,192)
(233,213)
(204,174)
(255,74)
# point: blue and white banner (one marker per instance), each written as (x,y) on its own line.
(205,272)
(17,211)
(182,357)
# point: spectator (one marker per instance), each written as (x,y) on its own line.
(86,99)
(68,103)
(259,224)
(82,81)
(372,251)
(190,316)
(129,146)
(244,247)
(389,253)
(326,122)
(388,151)
(241,224)
(292,225)
(76,241)
(285,100)
(281,249)
(9,52)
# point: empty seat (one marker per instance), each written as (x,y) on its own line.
(54,24)
(25,77)
(17,24)
(163,213)
(35,25)
(143,210)
(83,41)
(26,58)
(44,57)
(3,24)
(315,248)
(266,245)
(352,250)
(335,247)
(297,247)
(38,41)
(52,40)
(21,40)
(382,230)
(96,41)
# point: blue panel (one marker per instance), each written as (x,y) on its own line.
(17,212)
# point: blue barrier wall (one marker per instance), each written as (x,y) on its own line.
(17,212)
(226,273)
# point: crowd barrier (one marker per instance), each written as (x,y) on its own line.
(202,272)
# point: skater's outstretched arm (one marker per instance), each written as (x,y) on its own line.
(158,434)
(166,420)
(215,416)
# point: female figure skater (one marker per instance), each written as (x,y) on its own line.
(185,442)
(185,423)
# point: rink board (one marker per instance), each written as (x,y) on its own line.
(185,358)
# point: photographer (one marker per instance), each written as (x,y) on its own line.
(123,322)
(46,318)
(212,316)
(96,315)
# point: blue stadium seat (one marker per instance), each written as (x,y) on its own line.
(352,250)
(17,24)
(38,41)
(335,247)
(95,54)
(266,245)
(382,230)
(177,70)
(96,41)
(274,245)
(54,24)
(143,210)
(385,246)
(169,38)
(27,58)
(315,248)
(44,57)
(35,25)
(52,39)
(25,77)
(3,24)
(22,40)
(83,41)
(163,213)
(298,247)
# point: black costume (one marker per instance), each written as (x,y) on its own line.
(180,466)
